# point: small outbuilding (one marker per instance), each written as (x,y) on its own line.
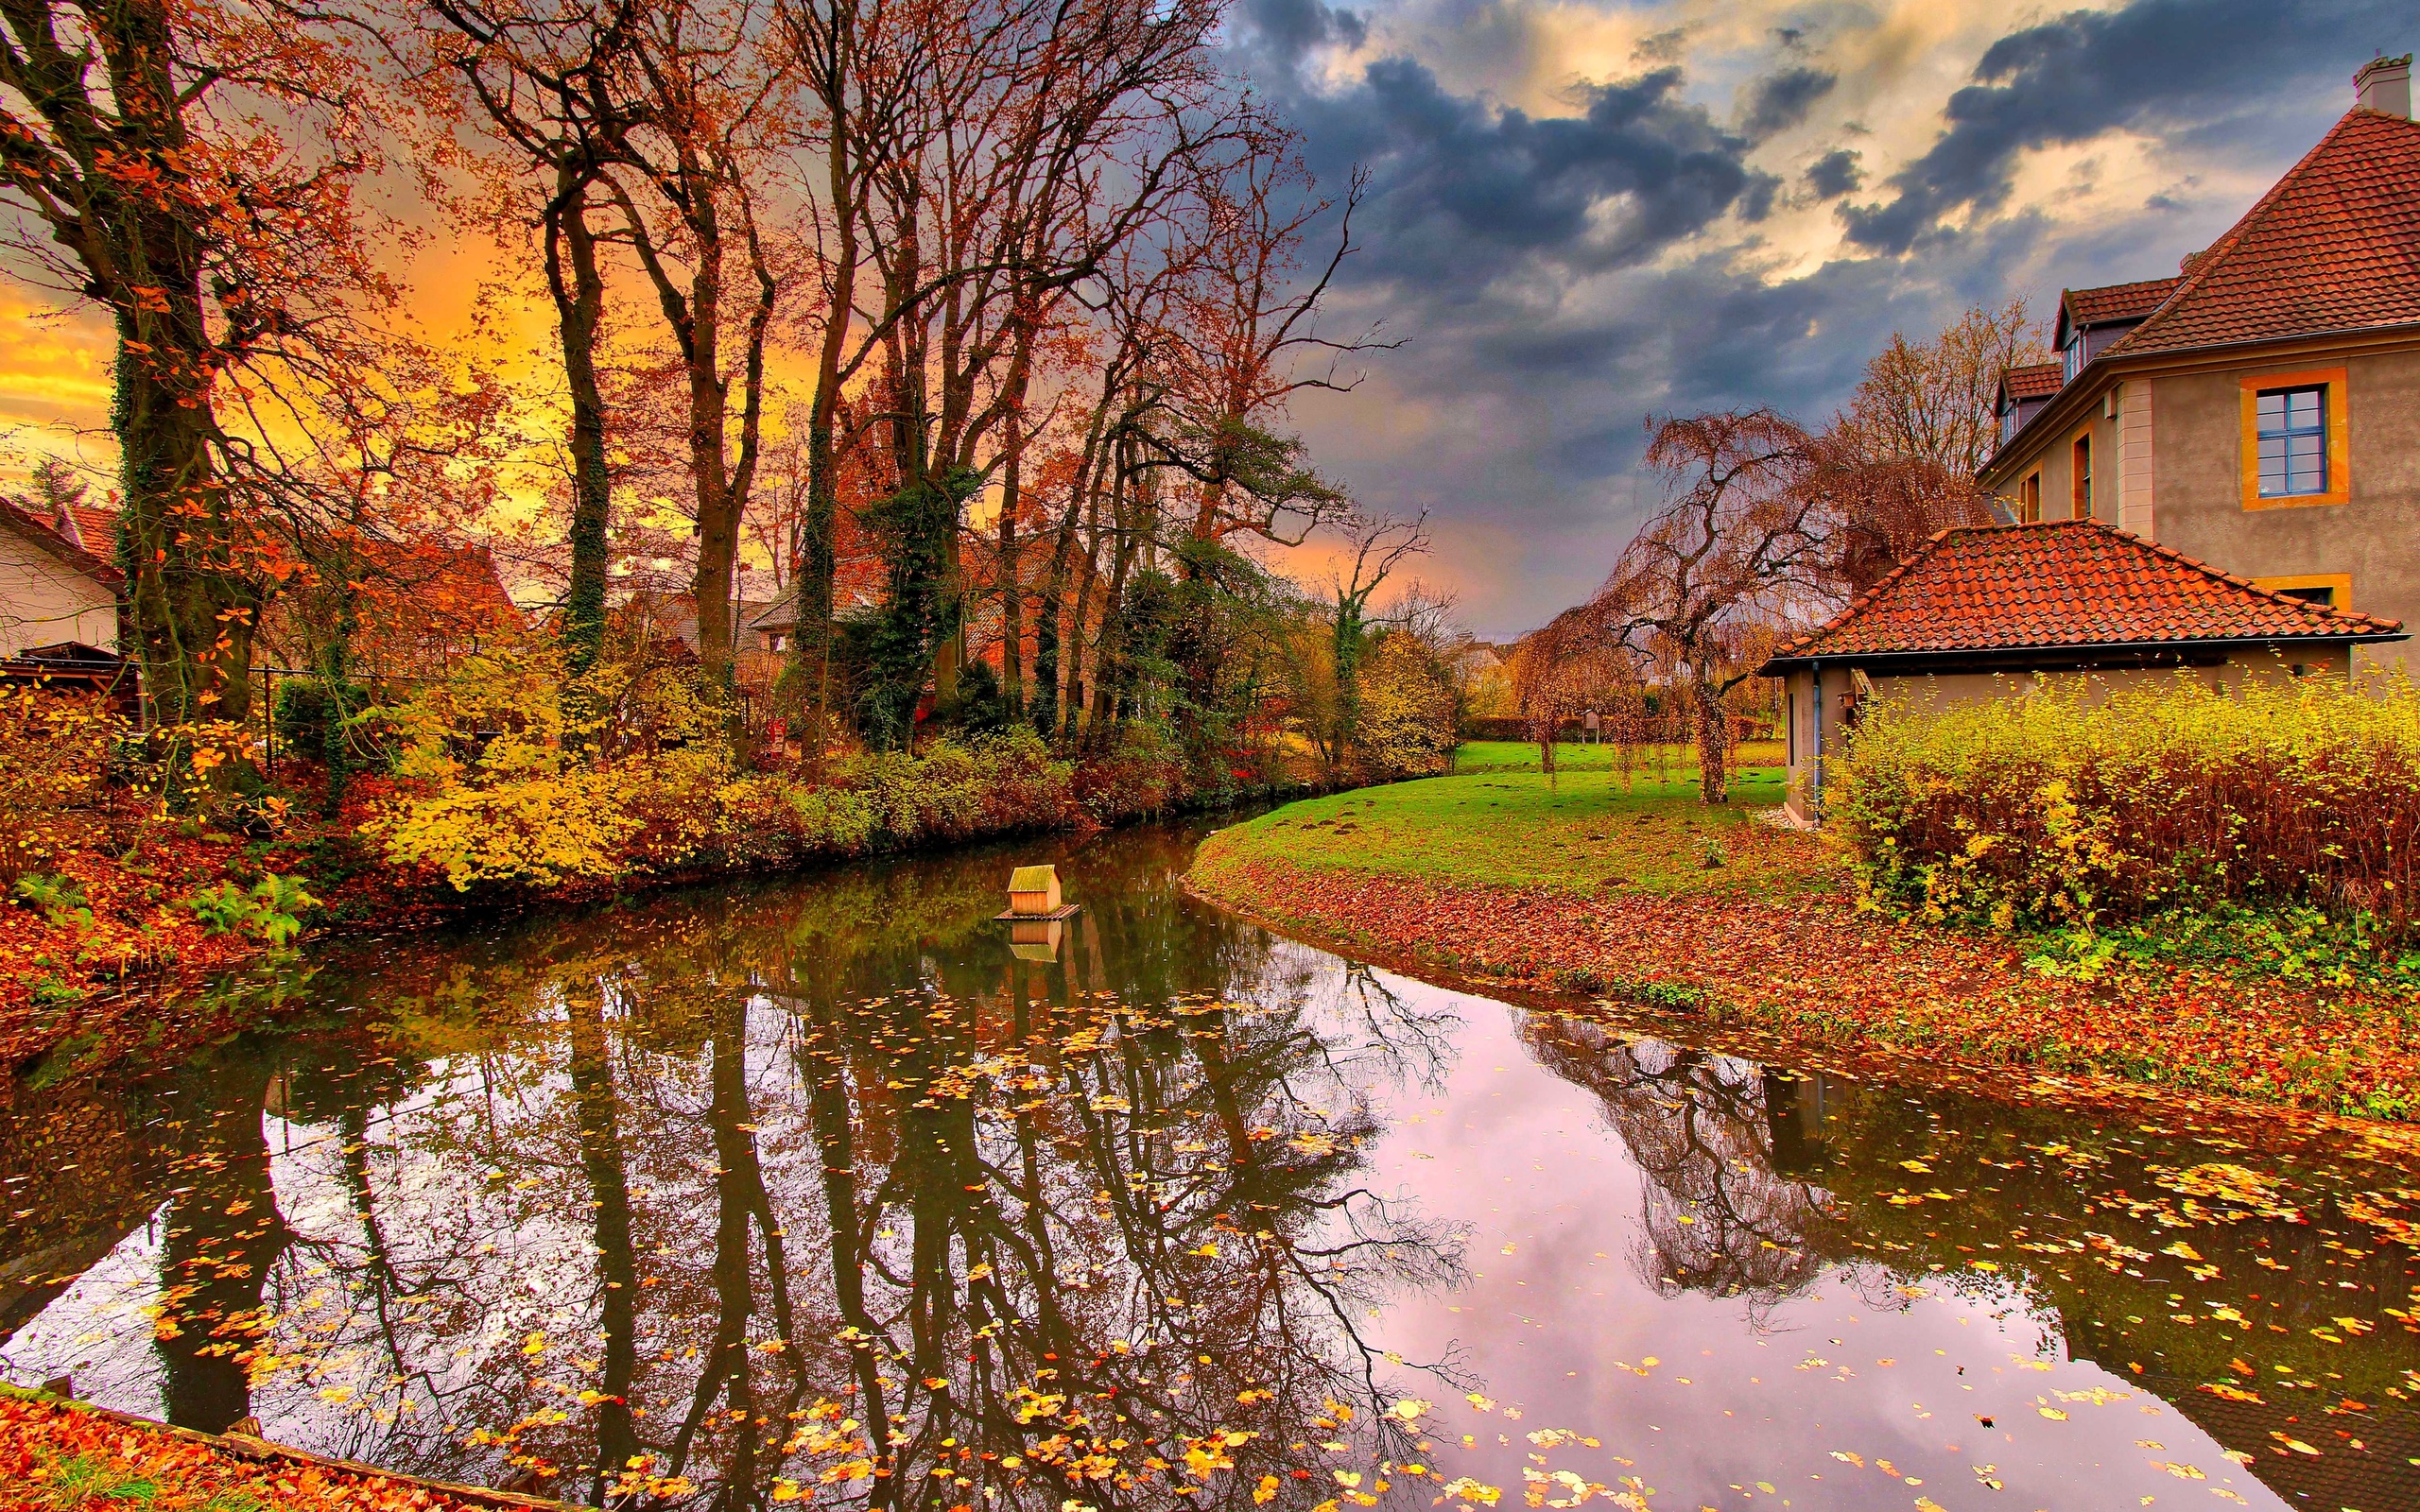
(1985,612)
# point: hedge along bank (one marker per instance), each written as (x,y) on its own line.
(2066,810)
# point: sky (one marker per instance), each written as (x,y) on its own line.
(1582,215)
(1579,215)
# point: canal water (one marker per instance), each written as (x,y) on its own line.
(825,1191)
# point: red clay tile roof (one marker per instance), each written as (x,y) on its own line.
(2116,301)
(2334,246)
(96,529)
(2059,584)
(43,534)
(2039,381)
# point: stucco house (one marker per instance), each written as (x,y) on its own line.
(53,589)
(2261,410)
(1988,611)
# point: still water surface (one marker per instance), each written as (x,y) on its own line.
(820,1190)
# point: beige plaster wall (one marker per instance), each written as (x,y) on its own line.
(43,601)
(2054,453)
(2374,537)
(1924,692)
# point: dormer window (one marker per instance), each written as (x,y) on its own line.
(2071,357)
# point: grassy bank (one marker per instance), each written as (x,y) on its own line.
(1581,886)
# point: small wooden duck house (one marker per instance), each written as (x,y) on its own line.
(1033,891)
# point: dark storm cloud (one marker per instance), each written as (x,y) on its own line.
(2164,66)
(1835,173)
(1779,101)
(1293,28)
(1555,281)
(1464,192)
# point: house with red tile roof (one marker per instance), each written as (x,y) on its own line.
(1988,611)
(53,590)
(2261,410)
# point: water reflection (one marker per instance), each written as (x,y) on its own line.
(834,1191)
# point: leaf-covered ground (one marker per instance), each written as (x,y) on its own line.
(62,1458)
(1578,887)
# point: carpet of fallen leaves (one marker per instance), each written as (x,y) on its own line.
(90,988)
(1817,970)
(60,1458)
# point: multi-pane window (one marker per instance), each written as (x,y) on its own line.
(2293,442)
(2079,492)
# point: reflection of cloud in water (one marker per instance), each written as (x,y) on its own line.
(882,1212)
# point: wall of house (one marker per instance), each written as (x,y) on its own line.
(2198,484)
(1930,691)
(43,601)
(2053,454)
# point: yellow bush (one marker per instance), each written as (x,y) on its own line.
(2061,807)
(538,830)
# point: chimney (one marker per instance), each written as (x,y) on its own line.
(2384,85)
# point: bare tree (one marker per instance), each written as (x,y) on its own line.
(1933,401)
(708,96)
(1747,538)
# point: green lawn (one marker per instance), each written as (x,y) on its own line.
(1680,761)
(1581,829)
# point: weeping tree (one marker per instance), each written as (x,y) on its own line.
(1749,536)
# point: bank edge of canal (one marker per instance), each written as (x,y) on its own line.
(55,1446)
(1807,975)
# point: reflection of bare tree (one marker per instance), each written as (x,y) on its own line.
(1120,1245)
(222,1233)
(1718,1213)
(601,1160)
(669,1206)
(1418,1042)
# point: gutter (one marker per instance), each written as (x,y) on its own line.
(2023,655)
(2112,362)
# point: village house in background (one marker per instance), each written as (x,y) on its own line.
(1987,612)
(54,589)
(2261,410)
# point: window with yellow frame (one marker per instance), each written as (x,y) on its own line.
(2297,444)
(2327,589)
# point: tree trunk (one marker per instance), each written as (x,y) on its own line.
(1713,740)
(580,312)
(1011,583)
(195,613)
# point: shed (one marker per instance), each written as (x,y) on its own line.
(1982,613)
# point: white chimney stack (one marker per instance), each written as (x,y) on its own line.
(2384,85)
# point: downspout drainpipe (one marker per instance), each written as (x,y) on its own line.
(1815,793)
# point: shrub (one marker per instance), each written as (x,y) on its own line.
(538,831)
(659,811)
(1407,725)
(55,752)
(2064,809)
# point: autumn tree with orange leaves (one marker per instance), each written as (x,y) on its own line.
(189,166)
